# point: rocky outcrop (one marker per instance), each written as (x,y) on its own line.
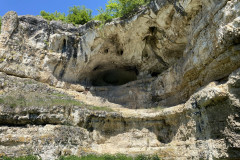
(176,62)
(206,126)
(179,46)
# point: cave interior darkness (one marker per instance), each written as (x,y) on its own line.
(113,76)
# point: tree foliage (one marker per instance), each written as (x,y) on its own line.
(103,16)
(53,16)
(82,15)
(119,8)
(76,15)
(79,15)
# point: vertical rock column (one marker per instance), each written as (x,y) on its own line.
(9,24)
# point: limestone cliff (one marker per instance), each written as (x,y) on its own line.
(167,80)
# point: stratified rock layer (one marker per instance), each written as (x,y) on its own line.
(180,57)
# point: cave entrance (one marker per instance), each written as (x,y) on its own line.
(114,77)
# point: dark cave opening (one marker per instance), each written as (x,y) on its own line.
(64,46)
(155,74)
(114,77)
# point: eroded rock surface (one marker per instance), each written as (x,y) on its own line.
(176,62)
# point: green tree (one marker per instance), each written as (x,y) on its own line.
(103,15)
(53,16)
(113,7)
(79,15)
(127,5)
(119,8)
(82,15)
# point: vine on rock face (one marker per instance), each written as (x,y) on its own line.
(82,15)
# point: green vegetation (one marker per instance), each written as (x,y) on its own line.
(97,108)
(82,15)
(91,157)
(110,157)
(120,8)
(103,16)
(27,99)
(158,108)
(53,16)
(76,15)
(79,15)
(1,59)
(20,158)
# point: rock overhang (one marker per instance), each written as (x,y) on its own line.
(160,42)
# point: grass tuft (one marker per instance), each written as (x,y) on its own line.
(110,157)
(36,99)
(20,158)
(92,157)
(28,99)
(97,108)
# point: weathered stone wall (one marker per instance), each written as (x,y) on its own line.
(182,45)
(180,57)
(206,126)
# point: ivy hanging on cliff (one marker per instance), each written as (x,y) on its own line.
(82,15)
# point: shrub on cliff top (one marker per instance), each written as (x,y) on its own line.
(119,8)
(82,15)
(79,15)
(103,16)
(76,15)
(53,16)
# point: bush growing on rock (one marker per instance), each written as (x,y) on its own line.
(76,15)
(79,15)
(53,16)
(103,16)
(119,8)
(82,15)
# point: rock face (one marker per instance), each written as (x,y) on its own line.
(180,57)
